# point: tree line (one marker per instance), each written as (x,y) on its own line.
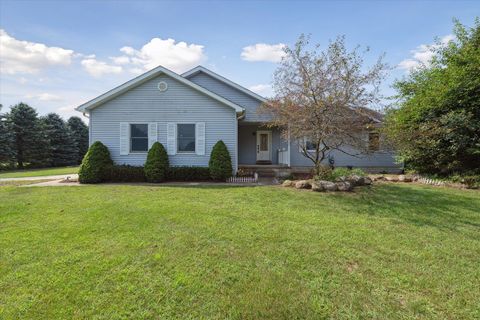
(30,140)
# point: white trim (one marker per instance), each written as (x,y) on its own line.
(224,80)
(147,76)
(288,146)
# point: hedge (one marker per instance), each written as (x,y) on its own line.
(157,164)
(125,173)
(96,164)
(220,164)
(188,174)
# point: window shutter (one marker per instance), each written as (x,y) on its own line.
(152,134)
(124,138)
(200,138)
(171,138)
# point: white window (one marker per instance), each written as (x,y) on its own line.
(186,137)
(308,144)
(139,137)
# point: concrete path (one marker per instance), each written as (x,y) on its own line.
(57,177)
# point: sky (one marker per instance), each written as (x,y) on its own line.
(56,55)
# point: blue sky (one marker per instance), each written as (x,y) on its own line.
(55,55)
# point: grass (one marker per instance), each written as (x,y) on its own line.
(11,183)
(395,251)
(38,172)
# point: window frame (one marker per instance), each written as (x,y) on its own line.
(130,136)
(194,138)
(305,140)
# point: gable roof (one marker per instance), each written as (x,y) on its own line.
(147,76)
(218,77)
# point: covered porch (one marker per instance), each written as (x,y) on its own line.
(261,146)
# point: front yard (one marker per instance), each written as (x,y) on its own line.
(38,172)
(111,251)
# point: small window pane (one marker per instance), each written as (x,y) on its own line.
(186,137)
(139,137)
(310,145)
(139,130)
(139,144)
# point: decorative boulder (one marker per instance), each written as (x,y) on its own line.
(328,185)
(367,181)
(317,186)
(356,180)
(404,178)
(303,184)
(344,186)
(391,178)
(288,183)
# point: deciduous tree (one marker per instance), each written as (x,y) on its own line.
(321,95)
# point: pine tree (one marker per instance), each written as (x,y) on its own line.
(31,144)
(7,151)
(79,132)
(63,151)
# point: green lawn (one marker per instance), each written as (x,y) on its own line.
(146,252)
(38,172)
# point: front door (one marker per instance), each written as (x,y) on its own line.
(264,146)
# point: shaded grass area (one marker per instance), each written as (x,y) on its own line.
(21,182)
(38,172)
(111,252)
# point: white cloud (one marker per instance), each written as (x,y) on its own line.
(17,56)
(44,97)
(177,56)
(99,68)
(263,52)
(262,89)
(423,54)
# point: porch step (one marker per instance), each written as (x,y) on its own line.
(264,162)
(266,170)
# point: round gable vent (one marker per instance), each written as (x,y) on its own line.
(162,86)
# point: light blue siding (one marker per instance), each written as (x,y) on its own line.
(180,103)
(247,143)
(248,102)
(376,161)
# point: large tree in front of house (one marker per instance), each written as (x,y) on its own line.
(320,96)
(31,143)
(435,125)
(63,151)
(79,132)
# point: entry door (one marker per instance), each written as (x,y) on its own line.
(264,145)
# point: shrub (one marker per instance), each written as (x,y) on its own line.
(188,174)
(220,164)
(324,173)
(156,165)
(125,173)
(327,174)
(96,164)
(345,172)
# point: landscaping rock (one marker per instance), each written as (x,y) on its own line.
(288,183)
(328,185)
(404,178)
(391,178)
(344,186)
(317,186)
(303,184)
(367,181)
(356,180)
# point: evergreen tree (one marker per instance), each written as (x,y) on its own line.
(31,143)
(63,151)
(79,131)
(7,151)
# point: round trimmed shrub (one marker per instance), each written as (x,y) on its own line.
(96,164)
(220,164)
(156,166)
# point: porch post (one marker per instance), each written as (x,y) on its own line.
(288,146)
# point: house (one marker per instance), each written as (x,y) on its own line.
(189,113)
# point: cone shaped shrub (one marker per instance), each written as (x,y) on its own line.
(96,164)
(220,164)
(156,166)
